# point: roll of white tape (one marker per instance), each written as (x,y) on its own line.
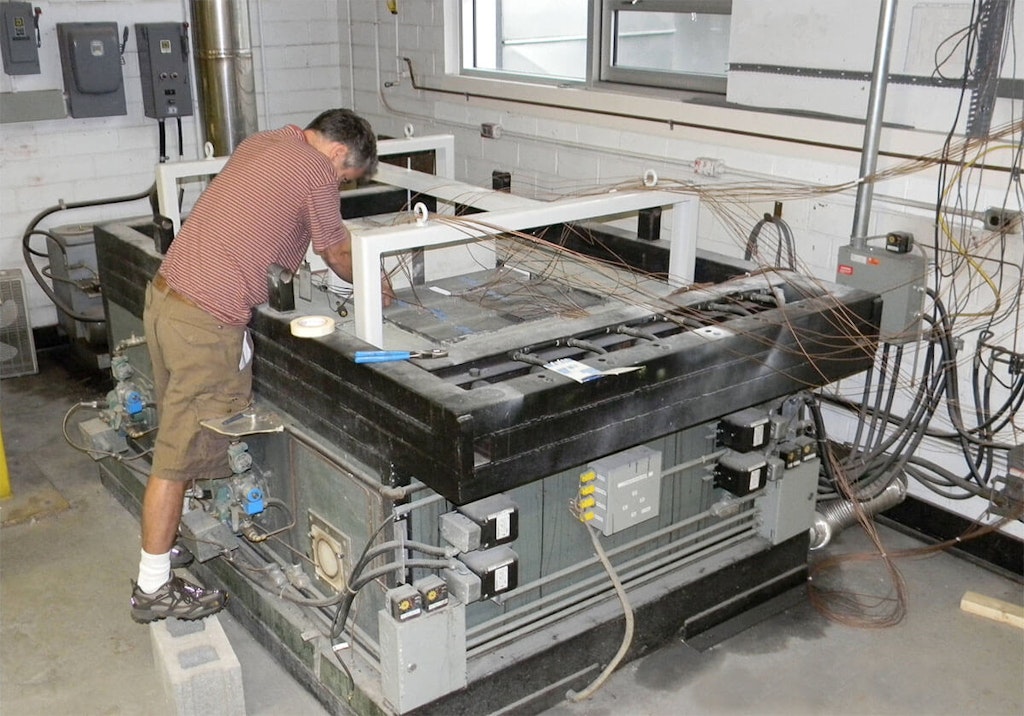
(312,326)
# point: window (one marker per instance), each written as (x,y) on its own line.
(526,38)
(666,43)
(682,44)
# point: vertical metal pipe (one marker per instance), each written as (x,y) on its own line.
(224,66)
(873,124)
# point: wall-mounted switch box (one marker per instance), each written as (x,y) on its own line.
(163,69)
(900,279)
(91,61)
(18,42)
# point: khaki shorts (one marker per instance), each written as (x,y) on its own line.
(196,376)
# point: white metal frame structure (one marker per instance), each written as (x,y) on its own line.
(169,174)
(504,211)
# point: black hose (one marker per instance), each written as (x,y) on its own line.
(338,623)
(28,252)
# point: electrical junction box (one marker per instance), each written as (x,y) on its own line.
(163,69)
(485,523)
(424,658)
(18,43)
(741,472)
(498,518)
(787,504)
(900,279)
(626,489)
(90,59)
(484,574)
(745,430)
(102,438)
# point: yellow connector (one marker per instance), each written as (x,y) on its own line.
(588,476)
(587,490)
(587,502)
(586,516)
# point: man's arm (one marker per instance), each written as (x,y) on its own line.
(338,257)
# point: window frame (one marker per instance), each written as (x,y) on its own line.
(600,70)
(514,76)
(608,72)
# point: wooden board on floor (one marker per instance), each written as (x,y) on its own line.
(991,608)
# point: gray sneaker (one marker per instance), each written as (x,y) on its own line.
(177,598)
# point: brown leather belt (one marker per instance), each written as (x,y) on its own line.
(160,284)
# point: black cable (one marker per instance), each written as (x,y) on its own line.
(952,386)
(862,413)
(338,623)
(889,455)
(28,252)
(882,374)
(785,237)
(163,140)
(820,436)
(951,478)
(982,409)
(897,420)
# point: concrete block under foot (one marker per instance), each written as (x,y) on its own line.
(198,667)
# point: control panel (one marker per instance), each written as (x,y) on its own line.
(90,58)
(621,490)
(163,69)
(20,40)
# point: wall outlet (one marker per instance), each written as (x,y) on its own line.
(490,130)
(999,219)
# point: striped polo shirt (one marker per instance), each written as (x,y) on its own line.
(275,195)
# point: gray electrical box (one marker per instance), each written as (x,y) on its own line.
(72,253)
(423,658)
(627,488)
(90,58)
(900,280)
(163,69)
(18,43)
(787,503)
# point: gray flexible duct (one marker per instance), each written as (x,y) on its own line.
(834,516)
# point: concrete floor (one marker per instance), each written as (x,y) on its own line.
(67,644)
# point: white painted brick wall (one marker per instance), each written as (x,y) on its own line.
(73,160)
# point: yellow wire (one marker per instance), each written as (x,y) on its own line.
(960,249)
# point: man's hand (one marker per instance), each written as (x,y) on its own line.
(387,291)
(339,258)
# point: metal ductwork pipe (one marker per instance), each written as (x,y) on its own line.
(834,516)
(224,68)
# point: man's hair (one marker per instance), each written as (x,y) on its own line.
(348,128)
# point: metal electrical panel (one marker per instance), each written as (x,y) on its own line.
(422,658)
(627,488)
(18,43)
(898,277)
(91,61)
(163,69)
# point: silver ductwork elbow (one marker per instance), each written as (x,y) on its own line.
(832,517)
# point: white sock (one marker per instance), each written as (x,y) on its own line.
(154,571)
